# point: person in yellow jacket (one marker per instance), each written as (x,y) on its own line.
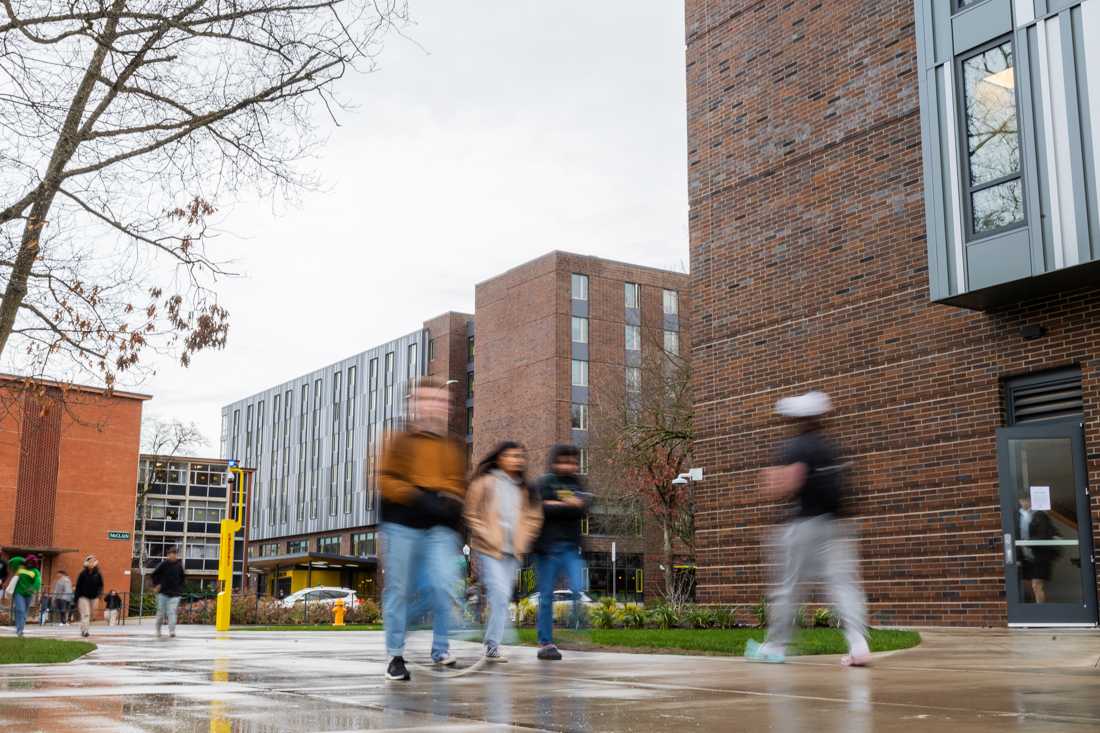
(25,579)
(423,484)
(504,515)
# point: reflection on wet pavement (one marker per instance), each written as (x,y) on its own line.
(256,682)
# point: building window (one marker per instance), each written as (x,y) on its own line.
(205,512)
(413,366)
(303,453)
(670,302)
(580,330)
(431,349)
(580,373)
(582,460)
(273,468)
(633,338)
(364,544)
(315,450)
(633,380)
(672,343)
(961,4)
(579,416)
(236,431)
(284,494)
(633,295)
(296,547)
(330,545)
(469,385)
(334,457)
(248,435)
(270,549)
(469,421)
(580,287)
(469,348)
(996,193)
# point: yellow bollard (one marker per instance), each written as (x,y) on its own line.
(338,612)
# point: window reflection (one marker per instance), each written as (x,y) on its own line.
(993,140)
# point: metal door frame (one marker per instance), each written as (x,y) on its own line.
(1047,614)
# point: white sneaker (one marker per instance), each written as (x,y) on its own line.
(447,660)
(495,655)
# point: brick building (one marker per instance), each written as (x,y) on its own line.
(883,208)
(554,335)
(68,457)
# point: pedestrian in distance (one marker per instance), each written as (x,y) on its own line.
(113,603)
(504,515)
(89,587)
(808,472)
(557,551)
(3,576)
(62,597)
(25,580)
(168,579)
(423,487)
(45,603)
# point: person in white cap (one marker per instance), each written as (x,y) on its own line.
(809,473)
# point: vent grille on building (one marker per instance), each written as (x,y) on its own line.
(1058,396)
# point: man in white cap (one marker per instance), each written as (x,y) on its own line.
(809,473)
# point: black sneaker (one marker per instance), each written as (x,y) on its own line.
(549,652)
(397,670)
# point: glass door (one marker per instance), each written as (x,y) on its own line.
(1050,577)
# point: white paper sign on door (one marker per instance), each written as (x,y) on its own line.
(1040,498)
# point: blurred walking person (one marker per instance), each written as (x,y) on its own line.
(503,515)
(113,603)
(62,597)
(89,587)
(423,487)
(557,551)
(168,579)
(808,472)
(25,581)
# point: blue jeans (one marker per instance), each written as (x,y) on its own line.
(20,604)
(498,578)
(166,612)
(563,558)
(405,552)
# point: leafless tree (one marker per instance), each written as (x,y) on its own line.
(123,123)
(640,440)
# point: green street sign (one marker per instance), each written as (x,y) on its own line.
(118,535)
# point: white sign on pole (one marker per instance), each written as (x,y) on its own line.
(1040,498)
(612,552)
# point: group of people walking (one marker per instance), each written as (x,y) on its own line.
(427,507)
(21,582)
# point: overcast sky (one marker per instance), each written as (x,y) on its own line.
(504,130)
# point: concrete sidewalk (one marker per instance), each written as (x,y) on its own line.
(955,682)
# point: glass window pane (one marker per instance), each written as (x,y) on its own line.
(580,416)
(672,342)
(633,379)
(631,294)
(580,330)
(671,302)
(997,206)
(633,338)
(580,287)
(580,373)
(992,134)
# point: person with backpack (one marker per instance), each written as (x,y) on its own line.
(89,587)
(503,514)
(26,580)
(808,472)
(168,578)
(557,551)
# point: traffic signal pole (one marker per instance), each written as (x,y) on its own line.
(229,528)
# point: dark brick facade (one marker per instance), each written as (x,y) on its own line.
(809,270)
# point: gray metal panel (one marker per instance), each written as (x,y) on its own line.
(980,24)
(671,322)
(1090,241)
(579,308)
(579,395)
(580,351)
(579,437)
(941,46)
(998,259)
(1054,6)
(633,317)
(633,358)
(1029,149)
(1039,134)
(1077,153)
(938,278)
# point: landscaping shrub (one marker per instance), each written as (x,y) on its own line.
(526,612)
(760,612)
(725,617)
(368,612)
(634,616)
(606,615)
(664,617)
(700,617)
(825,618)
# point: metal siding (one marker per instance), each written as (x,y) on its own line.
(1076,249)
(1088,70)
(939,284)
(1029,150)
(980,24)
(954,172)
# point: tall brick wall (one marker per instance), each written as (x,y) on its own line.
(448,331)
(809,270)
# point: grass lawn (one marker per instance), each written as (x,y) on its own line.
(715,641)
(317,627)
(41,651)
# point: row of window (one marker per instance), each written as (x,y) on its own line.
(363,544)
(632,295)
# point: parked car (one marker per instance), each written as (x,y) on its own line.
(323,595)
(562,597)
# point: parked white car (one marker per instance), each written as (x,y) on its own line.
(322,595)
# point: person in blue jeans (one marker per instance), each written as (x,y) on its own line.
(26,581)
(423,486)
(557,551)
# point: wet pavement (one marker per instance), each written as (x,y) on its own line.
(332,681)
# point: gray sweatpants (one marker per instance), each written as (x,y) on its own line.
(817,549)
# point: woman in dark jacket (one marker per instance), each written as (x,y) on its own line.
(89,587)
